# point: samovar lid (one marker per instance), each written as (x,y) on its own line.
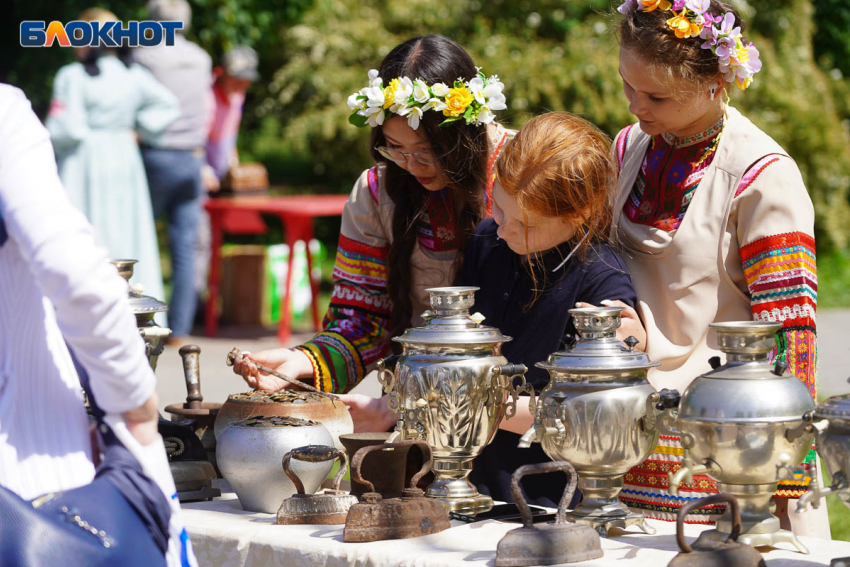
(449,321)
(597,350)
(139,304)
(835,407)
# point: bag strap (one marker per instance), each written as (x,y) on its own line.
(125,473)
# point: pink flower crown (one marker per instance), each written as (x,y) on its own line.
(691,18)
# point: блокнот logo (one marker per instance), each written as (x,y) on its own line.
(98,34)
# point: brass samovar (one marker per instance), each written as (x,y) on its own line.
(452,387)
(599,413)
(144,307)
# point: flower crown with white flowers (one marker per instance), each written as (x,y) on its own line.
(691,18)
(474,101)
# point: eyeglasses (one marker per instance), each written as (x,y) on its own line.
(397,156)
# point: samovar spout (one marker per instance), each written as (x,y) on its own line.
(530,436)
(689,468)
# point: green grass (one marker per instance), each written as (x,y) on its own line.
(839,518)
(833,279)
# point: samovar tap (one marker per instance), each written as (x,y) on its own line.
(689,468)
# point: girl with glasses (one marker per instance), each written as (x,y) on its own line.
(409,217)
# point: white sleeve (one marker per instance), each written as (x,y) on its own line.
(71,270)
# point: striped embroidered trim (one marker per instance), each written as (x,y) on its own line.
(374,186)
(622,143)
(755,170)
(335,361)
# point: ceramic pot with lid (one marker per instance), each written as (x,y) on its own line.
(144,307)
(742,423)
(451,387)
(333,414)
(250,455)
(599,412)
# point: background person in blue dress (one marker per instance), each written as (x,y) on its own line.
(101,106)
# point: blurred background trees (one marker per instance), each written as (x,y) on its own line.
(551,55)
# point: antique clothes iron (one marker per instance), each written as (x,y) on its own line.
(728,553)
(412,515)
(599,413)
(546,544)
(742,424)
(452,387)
(330,507)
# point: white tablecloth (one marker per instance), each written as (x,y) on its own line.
(225,535)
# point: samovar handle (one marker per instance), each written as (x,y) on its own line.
(542,468)
(361,454)
(512,371)
(708,500)
(385,367)
(315,454)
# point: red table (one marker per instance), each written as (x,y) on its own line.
(241,215)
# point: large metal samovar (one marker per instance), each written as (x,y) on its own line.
(742,424)
(452,387)
(599,413)
(831,426)
(144,307)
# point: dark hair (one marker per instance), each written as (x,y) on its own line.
(648,34)
(461,151)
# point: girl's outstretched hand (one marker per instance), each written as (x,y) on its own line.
(289,362)
(369,414)
(630,324)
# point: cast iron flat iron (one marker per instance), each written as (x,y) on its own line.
(549,543)
(727,553)
(412,515)
(330,507)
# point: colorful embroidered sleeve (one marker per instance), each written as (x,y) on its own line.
(357,320)
(778,256)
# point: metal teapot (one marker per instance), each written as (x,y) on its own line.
(412,515)
(742,423)
(599,413)
(728,553)
(452,387)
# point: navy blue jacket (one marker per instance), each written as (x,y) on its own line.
(505,299)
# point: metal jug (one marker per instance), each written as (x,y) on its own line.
(412,515)
(330,507)
(727,553)
(551,543)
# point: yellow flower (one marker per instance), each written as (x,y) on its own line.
(682,26)
(457,100)
(743,84)
(389,93)
(650,5)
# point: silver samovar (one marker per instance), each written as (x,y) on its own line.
(452,387)
(742,424)
(599,413)
(831,426)
(144,307)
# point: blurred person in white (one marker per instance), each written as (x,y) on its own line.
(102,105)
(173,160)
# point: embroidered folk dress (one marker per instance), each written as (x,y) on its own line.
(356,326)
(714,227)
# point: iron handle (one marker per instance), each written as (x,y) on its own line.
(191,355)
(543,468)
(713,499)
(315,454)
(361,454)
